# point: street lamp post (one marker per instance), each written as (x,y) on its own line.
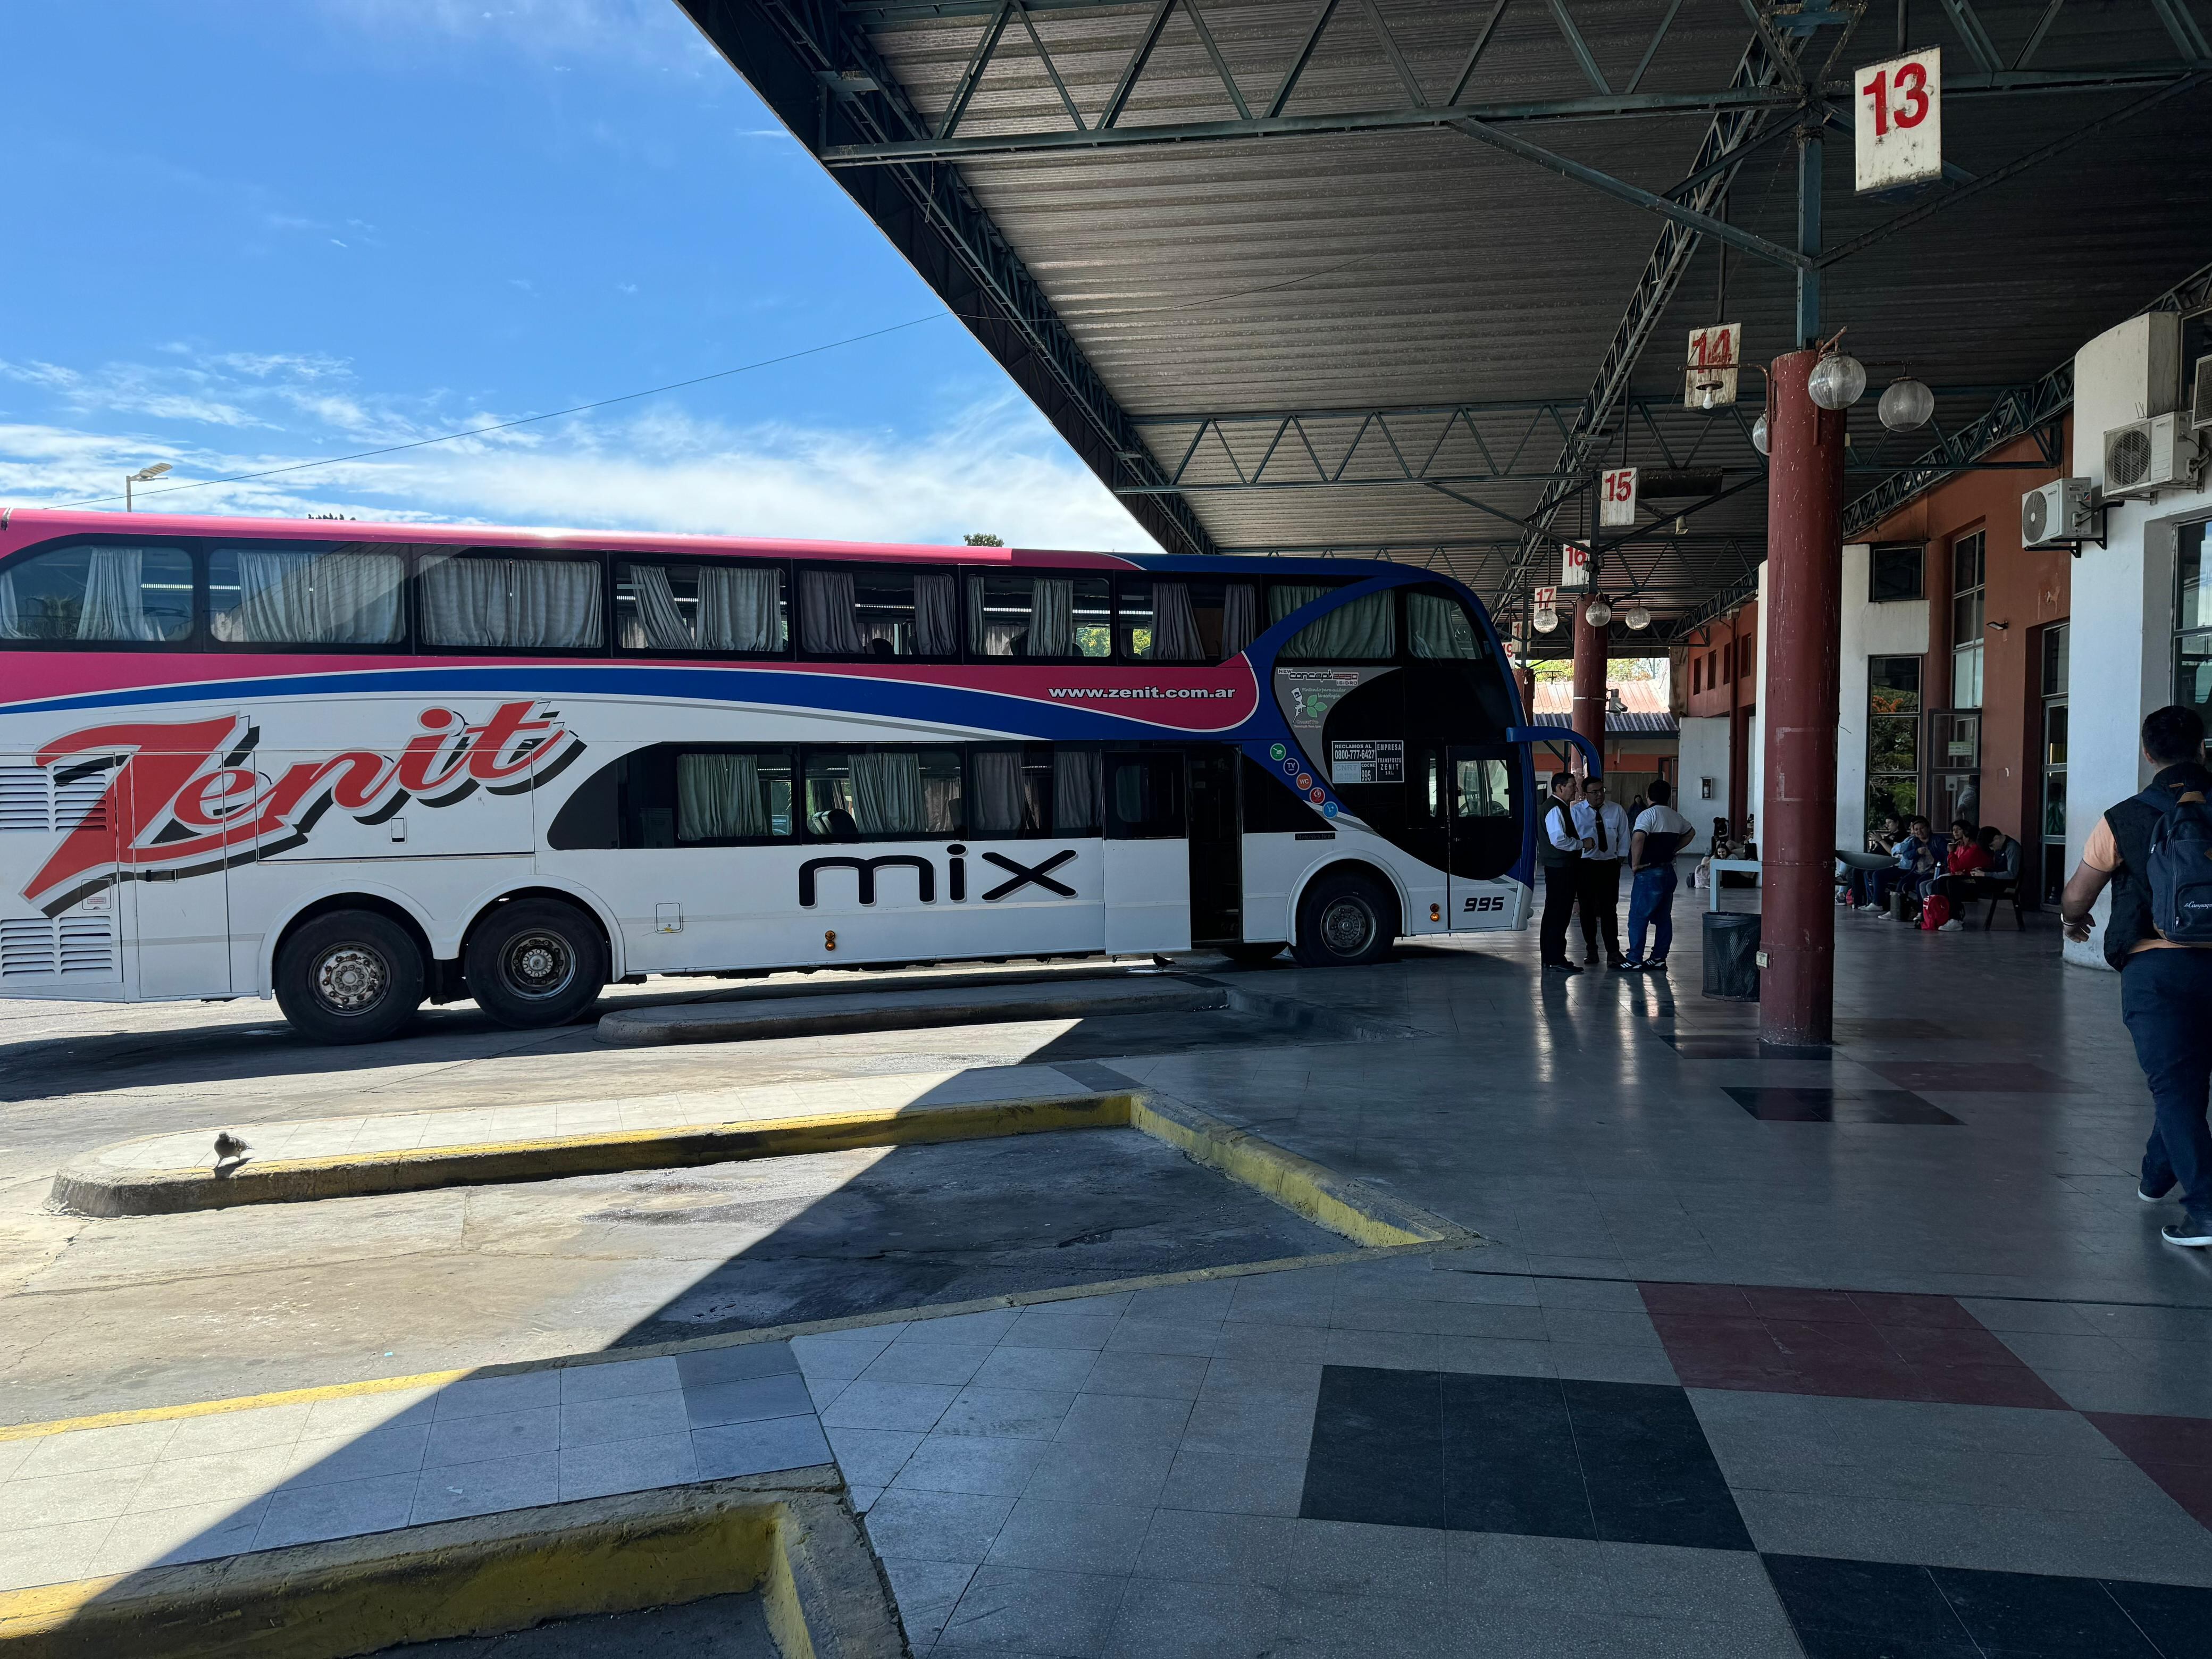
(145,475)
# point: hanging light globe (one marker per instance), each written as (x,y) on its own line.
(1759,434)
(1544,621)
(1906,403)
(1599,614)
(1637,617)
(1838,381)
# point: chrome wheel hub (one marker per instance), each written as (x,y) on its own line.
(1346,927)
(539,964)
(351,978)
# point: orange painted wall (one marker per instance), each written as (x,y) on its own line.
(2024,590)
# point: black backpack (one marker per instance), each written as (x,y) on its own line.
(2180,874)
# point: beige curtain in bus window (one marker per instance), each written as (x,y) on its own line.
(991,630)
(740,609)
(718,796)
(1240,617)
(1078,790)
(829,615)
(1362,628)
(659,624)
(998,805)
(115,597)
(1438,627)
(1052,617)
(1175,624)
(936,613)
(12,615)
(887,799)
(314,599)
(533,604)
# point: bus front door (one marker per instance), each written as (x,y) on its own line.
(1481,790)
(1217,845)
(1148,857)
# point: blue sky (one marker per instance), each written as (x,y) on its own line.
(243,233)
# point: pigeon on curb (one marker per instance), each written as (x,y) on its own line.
(229,1149)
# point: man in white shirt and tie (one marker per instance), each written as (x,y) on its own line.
(1604,830)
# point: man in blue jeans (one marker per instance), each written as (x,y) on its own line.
(2165,988)
(1659,833)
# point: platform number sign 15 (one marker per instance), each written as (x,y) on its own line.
(1901,121)
(1616,498)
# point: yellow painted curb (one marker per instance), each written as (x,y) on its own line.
(88,1189)
(789,1536)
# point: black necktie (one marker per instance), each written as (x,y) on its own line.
(1598,812)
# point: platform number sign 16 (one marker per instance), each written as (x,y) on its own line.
(1901,121)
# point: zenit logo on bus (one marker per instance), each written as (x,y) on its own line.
(185,799)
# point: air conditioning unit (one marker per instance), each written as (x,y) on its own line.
(2058,515)
(2144,457)
(2200,394)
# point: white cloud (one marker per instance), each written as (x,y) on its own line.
(993,466)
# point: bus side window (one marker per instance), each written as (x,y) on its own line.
(1144,795)
(268,594)
(139,595)
(1037,616)
(700,607)
(1438,625)
(490,601)
(1364,630)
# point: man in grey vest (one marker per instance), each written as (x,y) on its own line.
(2165,987)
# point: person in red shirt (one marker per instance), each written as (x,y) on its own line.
(1967,858)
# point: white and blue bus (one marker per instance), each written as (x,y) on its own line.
(246,757)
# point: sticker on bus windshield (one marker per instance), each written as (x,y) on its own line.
(1381,760)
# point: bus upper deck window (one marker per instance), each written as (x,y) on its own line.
(700,607)
(1437,626)
(138,594)
(1183,620)
(348,594)
(1025,616)
(518,604)
(889,610)
(1365,628)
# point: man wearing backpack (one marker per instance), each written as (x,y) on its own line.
(2155,850)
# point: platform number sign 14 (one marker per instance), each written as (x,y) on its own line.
(1616,498)
(1901,121)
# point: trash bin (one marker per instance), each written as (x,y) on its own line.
(1731,955)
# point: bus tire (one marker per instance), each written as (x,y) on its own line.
(1345,920)
(535,963)
(349,976)
(1251,955)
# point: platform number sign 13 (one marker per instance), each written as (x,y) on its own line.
(1616,498)
(1901,121)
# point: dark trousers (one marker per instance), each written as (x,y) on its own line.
(1559,888)
(2166,997)
(1600,890)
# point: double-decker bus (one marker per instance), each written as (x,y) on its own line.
(360,769)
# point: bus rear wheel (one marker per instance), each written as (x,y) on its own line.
(535,963)
(1344,922)
(349,976)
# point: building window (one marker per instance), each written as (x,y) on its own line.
(2053,761)
(1728,662)
(1893,737)
(1745,656)
(1697,674)
(2192,623)
(1966,617)
(1894,571)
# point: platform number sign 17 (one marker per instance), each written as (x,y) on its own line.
(1901,121)
(1616,498)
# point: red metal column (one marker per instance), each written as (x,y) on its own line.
(1589,676)
(1803,612)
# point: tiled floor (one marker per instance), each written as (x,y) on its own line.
(90,1502)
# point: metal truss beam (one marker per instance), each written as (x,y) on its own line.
(816,70)
(2021,412)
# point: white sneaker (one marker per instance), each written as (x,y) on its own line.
(1953,927)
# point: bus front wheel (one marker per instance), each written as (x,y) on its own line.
(535,963)
(1344,922)
(349,976)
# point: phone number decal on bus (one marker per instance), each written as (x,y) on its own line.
(183,800)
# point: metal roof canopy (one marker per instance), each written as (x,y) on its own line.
(1396,277)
